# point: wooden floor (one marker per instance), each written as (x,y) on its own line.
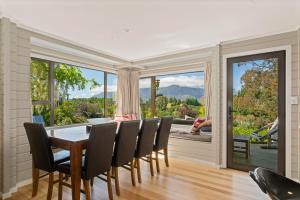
(184,180)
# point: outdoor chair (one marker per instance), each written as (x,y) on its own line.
(275,185)
(39,119)
(271,135)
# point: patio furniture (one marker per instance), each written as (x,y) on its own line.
(275,185)
(124,150)
(162,140)
(96,162)
(183,121)
(145,145)
(39,119)
(42,156)
(271,135)
(244,148)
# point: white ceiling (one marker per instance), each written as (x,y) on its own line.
(136,29)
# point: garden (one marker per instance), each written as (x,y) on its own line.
(67,79)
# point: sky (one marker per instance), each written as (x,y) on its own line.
(99,77)
(239,71)
(192,79)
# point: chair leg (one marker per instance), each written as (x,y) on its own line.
(166,156)
(117,183)
(50,186)
(157,162)
(132,164)
(35,180)
(138,168)
(109,188)
(60,185)
(92,182)
(87,189)
(151,165)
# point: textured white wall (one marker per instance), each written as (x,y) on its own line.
(16,105)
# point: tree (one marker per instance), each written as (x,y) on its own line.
(71,77)
(192,101)
(39,80)
(66,77)
(256,102)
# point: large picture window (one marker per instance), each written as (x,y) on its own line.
(177,95)
(65,94)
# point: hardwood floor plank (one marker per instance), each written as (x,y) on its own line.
(183,180)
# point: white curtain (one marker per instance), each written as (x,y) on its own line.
(207,90)
(135,93)
(128,97)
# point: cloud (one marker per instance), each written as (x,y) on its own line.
(182,80)
(145,83)
(87,93)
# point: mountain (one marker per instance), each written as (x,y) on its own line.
(179,92)
(101,95)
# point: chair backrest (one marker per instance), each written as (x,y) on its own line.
(40,147)
(146,137)
(99,150)
(125,142)
(39,119)
(163,132)
(275,185)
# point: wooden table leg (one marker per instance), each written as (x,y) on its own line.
(76,154)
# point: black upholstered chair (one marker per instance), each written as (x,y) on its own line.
(145,144)
(162,140)
(275,185)
(124,150)
(97,159)
(42,156)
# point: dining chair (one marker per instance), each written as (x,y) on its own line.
(43,157)
(275,185)
(145,145)
(162,140)
(124,150)
(96,161)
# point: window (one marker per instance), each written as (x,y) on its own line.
(112,81)
(40,89)
(177,95)
(145,97)
(79,94)
(65,94)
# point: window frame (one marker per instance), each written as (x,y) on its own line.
(153,79)
(51,86)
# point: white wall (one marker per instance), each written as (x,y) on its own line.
(16,106)
(267,42)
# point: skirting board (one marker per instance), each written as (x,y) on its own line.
(204,162)
(15,189)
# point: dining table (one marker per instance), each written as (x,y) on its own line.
(75,140)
